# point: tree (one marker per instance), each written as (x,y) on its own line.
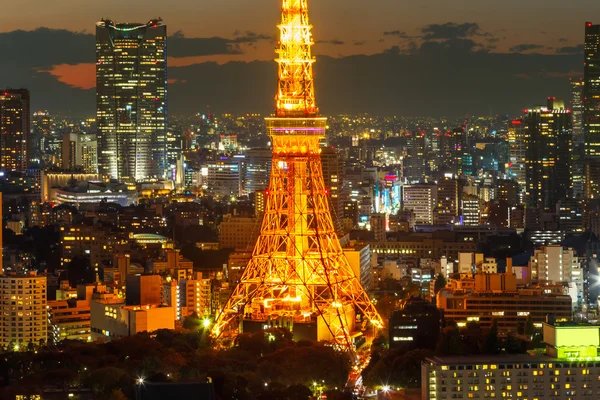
(80,270)
(529,327)
(192,322)
(515,345)
(104,380)
(440,283)
(398,369)
(472,338)
(298,392)
(450,342)
(385,306)
(117,394)
(492,344)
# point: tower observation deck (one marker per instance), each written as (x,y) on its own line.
(298,277)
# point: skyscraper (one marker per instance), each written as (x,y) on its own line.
(548,158)
(131,99)
(517,150)
(333,174)
(577,86)
(591,109)
(414,162)
(578,163)
(257,170)
(14,129)
(448,200)
(27,294)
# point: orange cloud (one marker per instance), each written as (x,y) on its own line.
(81,76)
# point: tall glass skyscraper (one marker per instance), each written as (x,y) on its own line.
(131,99)
(591,109)
(549,144)
(14,129)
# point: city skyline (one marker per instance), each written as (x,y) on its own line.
(291,229)
(525,60)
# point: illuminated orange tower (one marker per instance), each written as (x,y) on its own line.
(298,276)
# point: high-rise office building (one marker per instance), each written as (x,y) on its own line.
(414,162)
(548,156)
(517,130)
(448,199)
(578,163)
(416,326)
(131,99)
(422,200)
(88,146)
(470,210)
(23,316)
(15,129)
(333,174)
(591,90)
(591,109)
(577,86)
(257,170)
(1,238)
(69,151)
(223,178)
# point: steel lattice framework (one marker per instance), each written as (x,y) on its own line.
(298,274)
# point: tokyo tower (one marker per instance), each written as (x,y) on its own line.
(298,277)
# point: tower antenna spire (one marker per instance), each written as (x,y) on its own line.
(295,92)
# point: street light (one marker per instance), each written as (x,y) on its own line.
(140,381)
(385,389)
(206,322)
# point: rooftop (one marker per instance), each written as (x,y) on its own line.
(496,359)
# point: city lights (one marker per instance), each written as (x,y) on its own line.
(203,228)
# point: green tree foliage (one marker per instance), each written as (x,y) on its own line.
(80,270)
(450,342)
(105,379)
(397,369)
(192,322)
(386,305)
(440,283)
(472,337)
(206,259)
(117,394)
(529,327)
(491,343)
(110,369)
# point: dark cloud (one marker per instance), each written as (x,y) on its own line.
(452,30)
(334,42)
(44,47)
(579,49)
(398,33)
(33,54)
(181,46)
(562,39)
(525,47)
(250,38)
(441,76)
(359,42)
(429,83)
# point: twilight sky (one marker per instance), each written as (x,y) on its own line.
(433,52)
